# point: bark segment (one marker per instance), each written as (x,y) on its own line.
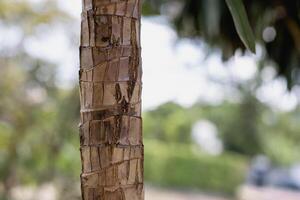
(110,95)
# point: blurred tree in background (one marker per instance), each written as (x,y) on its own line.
(168,123)
(36,118)
(276,26)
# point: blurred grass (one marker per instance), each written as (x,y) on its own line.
(181,165)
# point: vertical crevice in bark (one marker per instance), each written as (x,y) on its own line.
(110,95)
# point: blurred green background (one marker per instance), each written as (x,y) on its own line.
(39,141)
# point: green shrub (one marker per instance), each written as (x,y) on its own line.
(178,165)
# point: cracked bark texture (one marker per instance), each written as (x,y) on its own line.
(110,94)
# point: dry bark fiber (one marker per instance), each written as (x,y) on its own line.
(110,94)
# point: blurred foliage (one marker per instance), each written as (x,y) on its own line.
(168,123)
(247,128)
(239,124)
(37,131)
(183,165)
(37,120)
(282,136)
(27,15)
(276,26)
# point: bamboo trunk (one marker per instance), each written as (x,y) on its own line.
(110,95)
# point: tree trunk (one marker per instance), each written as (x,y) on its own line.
(110,95)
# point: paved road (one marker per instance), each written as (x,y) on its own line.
(266,193)
(49,192)
(159,194)
(244,193)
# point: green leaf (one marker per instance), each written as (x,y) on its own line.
(241,23)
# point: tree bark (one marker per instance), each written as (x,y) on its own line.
(110,94)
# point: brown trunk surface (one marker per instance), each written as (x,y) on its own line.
(110,95)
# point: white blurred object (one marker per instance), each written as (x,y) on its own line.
(269,34)
(205,134)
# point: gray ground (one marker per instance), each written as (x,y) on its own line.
(152,193)
(49,192)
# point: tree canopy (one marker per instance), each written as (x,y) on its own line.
(276,26)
